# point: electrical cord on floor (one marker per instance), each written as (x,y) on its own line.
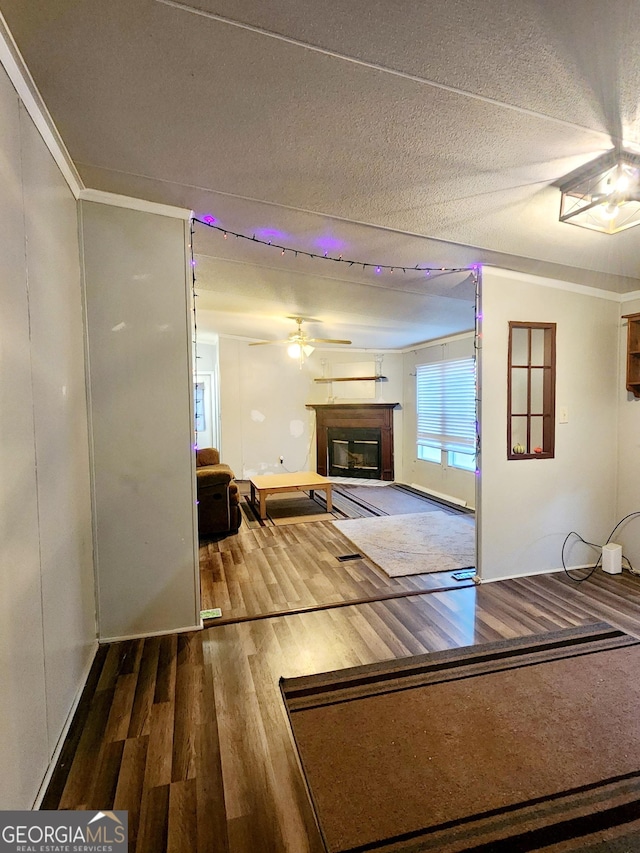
(592,545)
(564,566)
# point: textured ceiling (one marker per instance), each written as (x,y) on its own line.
(389,132)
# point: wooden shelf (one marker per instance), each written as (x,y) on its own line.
(351,379)
(633,353)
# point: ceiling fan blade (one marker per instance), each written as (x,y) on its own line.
(326,341)
(299,337)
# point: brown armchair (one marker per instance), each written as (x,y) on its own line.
(218,495)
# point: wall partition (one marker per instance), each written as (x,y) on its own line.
(530,501)
(137,292)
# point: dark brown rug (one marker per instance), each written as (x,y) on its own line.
(521,745)
(389,500)
(287,509)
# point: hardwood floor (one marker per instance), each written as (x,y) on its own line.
(273,570)
(189,733)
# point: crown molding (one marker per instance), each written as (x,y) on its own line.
(555,283)
(101,197)
(630,297)
(434,342)
(27,91)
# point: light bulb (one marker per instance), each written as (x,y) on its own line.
(622,182)
(293,350)
(609,211)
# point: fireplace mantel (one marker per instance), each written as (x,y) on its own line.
(352,406)
(355,415)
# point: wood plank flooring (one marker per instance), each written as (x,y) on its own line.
(268,570)
(189,734)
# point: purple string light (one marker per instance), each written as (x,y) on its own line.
(209,221)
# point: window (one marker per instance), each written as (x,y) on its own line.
(429,454)
(446,410)
(531,395)
(466,461)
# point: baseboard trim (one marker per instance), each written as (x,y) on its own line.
(144,635)
(53,763)
(438,495)
(534,574)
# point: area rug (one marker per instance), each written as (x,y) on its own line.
(288,509)
(415,543)
(387,500)
(519,745)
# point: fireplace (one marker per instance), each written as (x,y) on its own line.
(355,440)
(354,452)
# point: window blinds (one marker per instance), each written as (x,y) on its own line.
(446,404)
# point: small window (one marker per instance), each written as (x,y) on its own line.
(531,391)
(466,461)
(429,454)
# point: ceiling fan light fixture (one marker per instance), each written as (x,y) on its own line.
(299,343)
(605,195)
(299,351)
(609,211)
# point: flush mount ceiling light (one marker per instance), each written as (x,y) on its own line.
(605,194)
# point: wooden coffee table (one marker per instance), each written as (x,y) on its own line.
(298,481)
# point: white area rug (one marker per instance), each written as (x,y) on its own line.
(414,544)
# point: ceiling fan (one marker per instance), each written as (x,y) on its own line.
(300,338)
(299,343)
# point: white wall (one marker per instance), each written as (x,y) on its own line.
(440,479)
(529,506)
(628,501)
(263,394)
(141,409)
(207,356)
(47,625)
